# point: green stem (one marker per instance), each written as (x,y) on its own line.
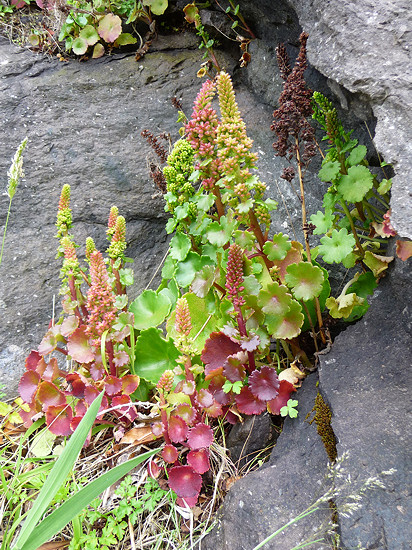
(352,224)
(4,232)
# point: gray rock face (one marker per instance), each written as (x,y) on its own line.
(292,480)
(366,47)
(367,381)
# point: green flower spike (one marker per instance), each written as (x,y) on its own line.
(118,243)
(111,226)
(90,247)
(64,214)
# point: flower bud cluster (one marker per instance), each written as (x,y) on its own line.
(111,226)
(166,381)
(64,214)
(177,172)
(234,275)
(118,243)
(100,299)
(183,322)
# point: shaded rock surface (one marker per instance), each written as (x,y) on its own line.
(367,379)
(292,480)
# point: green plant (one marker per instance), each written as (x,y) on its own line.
(14,174)
(290,409)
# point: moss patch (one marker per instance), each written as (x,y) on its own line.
(322,420)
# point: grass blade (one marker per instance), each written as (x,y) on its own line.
(59,472)
(55,522)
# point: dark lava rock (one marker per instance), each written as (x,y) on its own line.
(268,498)
(366,379)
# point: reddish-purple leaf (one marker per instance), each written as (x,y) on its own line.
(186,412)
(51,370)
(32,360)
(78,346)
(153,470)
(185,482)
(200,436)
(264,384)
(49,395)
(127,413)
(130,383)
(250,343)
(97,371)
(27,416)
(188,387)
(285,389)
(177,429)
(121,358)
(112,385)
(247,403)
(216,389)
(170,454)
(80,408)
(28,385)
(78,384)
(204,398)
(234,369)
(214,410)
(90,394)
(199,460)
(157,429)
(69,325)
(58,419)
(187,501)
(50,340)
(216,351)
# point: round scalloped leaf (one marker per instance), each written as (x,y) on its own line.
(177,429)
(356,155)
(128,412)
(184,481)
(219,233)
(98,51)
(288,325)
(78,346)
(203,281)
(354,186)
(58,419)
(187,269)
(404,250)
(278,247)
(293,256)
(323,222)
(49,395)
(186,412)
(170,454)
(28,385)
(32,360)
(247,403)
(110,27)
(305,280)
(154,355)
(200,437)
(199,460)
(150,309)
(180,246)
(130,383)
(191,11)
(329,170)
(80,46)
(217,350)
(234,369)
(112,385)
(157,7)
(89,34)
(336,247)
(264,383)
(275,300)
(204,398)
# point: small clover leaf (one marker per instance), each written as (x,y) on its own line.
(278,247)
(235,387)
(289,409)
(305,280)
(336,247)
(354,186)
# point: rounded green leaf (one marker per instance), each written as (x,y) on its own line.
(356,155)
(89,34)
(80,46)
(180,246)
(150,309)
(157,7)
(287,325)
(125,38)
(305,280)
(278,247)
(98,51)
(336,247)
(154,355)
(323,222)
(329,170)
(354,186)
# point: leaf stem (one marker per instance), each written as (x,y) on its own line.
(352,224)
(5,229)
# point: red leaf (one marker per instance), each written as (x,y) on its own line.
(285,389)
(170,454)
(58,419)
(90,394)
(234,369)
(27,416)
(51,371)
(130,383)
(28,385)
(78,346)
(157,429)
(204,398)
(264,384)
(215,410)
(186,412)
(126,413)
(153,469)
(50,340)
(112,385)
(69,325)
(177,429)
(187,501)
(32,359)
(97,371)
(404,250)
(247,403)
(216,351)
(78,385)
(50,395)
(216,389)
(200,436)
(199,460)
(185,482)
(80,408)
(121,358)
